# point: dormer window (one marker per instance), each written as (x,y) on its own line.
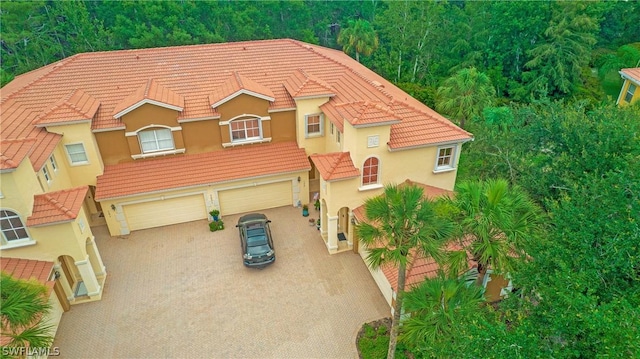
(156,139)
(245,130)
(314,125)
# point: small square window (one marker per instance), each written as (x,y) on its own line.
(313,125)
(54,164)
(77,154)
(445,158)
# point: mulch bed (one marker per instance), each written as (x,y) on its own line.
(386,322)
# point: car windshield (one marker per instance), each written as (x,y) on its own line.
(257,250)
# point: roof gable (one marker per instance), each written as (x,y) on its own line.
(56,207)
(632,74)
(13,152)
(362,113)
(27,269)
(303,85)
(151,92)
(335,166)
(78,106)
(236,85)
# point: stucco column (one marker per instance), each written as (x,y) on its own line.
(95,258)
(332,237)
(64,281)
(88,277)
(351,230)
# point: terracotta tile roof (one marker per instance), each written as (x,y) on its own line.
(631,74)
(59,206)
(47,142)
(301,84)
(335,166)
(361,113)
(150,91)
(420,268)
(151,175)
(237,84)
(196,72)
(13,152)
(27,269)
(76,106)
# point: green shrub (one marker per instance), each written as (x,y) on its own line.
(216,225)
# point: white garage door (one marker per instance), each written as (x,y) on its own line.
(255,198)
(165,212)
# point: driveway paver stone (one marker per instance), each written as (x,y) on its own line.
(182,291)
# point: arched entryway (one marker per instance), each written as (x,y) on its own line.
(343,232)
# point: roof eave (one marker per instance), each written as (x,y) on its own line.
(461,141)
(72,122)
(242,92)
(144,102)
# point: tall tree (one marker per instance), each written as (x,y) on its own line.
(358,37)
(23,306)
(556,63)
(465,95)
(401,222)
(496,221)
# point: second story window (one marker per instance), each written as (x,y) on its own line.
(314,125)
(630,91)
(46,174)
(12,227)
(245,130)
(154,140)
(446,157)
(77,154)
(370,171)
(54,164)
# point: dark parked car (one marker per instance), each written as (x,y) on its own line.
(255,239)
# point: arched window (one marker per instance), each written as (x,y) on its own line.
(12,227)
(370,171)
(245,129)
(156,139)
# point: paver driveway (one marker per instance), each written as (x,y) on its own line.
(182,291)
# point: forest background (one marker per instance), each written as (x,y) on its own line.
(548,123)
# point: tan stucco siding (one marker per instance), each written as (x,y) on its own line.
(85,173)
(283,126)
(149,114)
(310,107)
(201,136)
(18,188)
(114,146)
(243,104)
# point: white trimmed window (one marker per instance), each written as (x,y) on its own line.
(53,162)
(314,125)
(331,127)
(154,140)
(245,130)
(371,171)
(46,174)
(77,154)
(13,229)
(630,91)
(338,136)
(446,157)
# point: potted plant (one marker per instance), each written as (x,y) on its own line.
(318,224)
(317,204)
(216,225)
(215,215)
(312,222)
(305,211)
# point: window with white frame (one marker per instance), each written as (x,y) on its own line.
(370,171)
(54,164)
(156,139)
(314,125)
(77,154)
(630,91)
(331,128)
(46,174)
(446,157)
(338,136)
(13,229)
(245,130)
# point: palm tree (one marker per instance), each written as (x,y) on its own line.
(358,37)
(495,223)
(23,307)
(400,222)
(439,310)
(465,95)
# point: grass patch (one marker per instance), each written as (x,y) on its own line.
(373,341)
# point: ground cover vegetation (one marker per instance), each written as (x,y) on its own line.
(535,82)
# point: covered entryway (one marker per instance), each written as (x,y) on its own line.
(164,212)
(254,198)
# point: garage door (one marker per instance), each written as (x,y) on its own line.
(165,212)
(255,198)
